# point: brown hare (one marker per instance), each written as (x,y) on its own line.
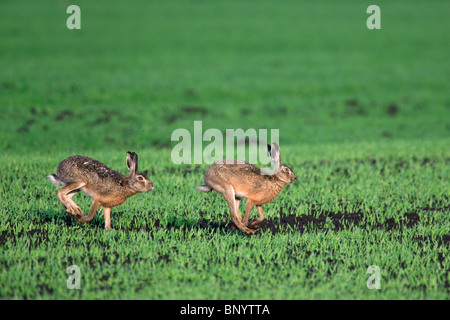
(236,179)
(107,187)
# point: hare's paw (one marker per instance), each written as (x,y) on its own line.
(78,212)
(232,226)
(249,232)
(244,229)
(254,224)
(74,211)
(83,219)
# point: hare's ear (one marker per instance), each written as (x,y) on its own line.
(135,162)
(274,152)
(132,162)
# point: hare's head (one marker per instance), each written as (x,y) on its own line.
(137,181)
(282,172)
(286,174)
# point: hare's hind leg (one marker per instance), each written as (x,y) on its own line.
(65,196)
(229,196)
(236,208)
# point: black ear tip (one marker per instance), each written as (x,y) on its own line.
(269,147)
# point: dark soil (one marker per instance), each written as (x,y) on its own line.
(195,109)
(354,107)
(336,221)
(63,114)
(286,222)
(290,222)
(392,109)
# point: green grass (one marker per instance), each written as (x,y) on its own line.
(363,120)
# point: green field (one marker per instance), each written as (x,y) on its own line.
(363,117)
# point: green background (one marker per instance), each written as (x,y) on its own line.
(363,121)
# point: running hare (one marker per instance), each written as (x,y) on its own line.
(236,179)
(107,187)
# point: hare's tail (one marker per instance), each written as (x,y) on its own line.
(204,188)
(55,180)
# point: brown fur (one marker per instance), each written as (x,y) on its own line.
(107,187)
(236,179)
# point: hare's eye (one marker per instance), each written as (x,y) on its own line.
(140,178)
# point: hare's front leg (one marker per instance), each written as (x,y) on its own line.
(254,223)
(65,196)
(248,209)
(92,211)
(107,213)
